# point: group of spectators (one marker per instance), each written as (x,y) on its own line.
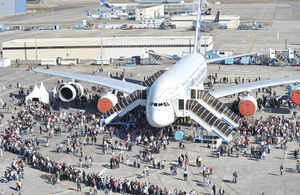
(82,130)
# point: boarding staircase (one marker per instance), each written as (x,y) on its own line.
(136,98)
(297,56)
(125,105)
(225,113)
(152,79)
(208,120)
(155,59)
(165,25)
(282,59)
(210,113)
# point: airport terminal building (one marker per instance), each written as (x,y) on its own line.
(90,48)
(11,7)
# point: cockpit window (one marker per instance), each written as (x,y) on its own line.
(166,104)
(160,104)
(151,104)
(155,104)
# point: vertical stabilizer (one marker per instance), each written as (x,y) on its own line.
(197,44)
(207,12)
(88,14)
(217,17)
(100,11)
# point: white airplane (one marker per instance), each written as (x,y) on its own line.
(119,13)
(123,6)
(102,15)
(178,92)
(207,12)
(93,16)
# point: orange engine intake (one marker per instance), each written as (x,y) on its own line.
(247,106)
(106,102)
(296,96)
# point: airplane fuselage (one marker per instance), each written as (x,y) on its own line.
(174,84)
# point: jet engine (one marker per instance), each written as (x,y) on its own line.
(106,102)
(69,91)
(247,106)
(295,96)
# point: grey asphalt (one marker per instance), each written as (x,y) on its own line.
(255,177)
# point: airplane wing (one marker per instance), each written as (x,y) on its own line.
(119,85)
(254,85)
(211,60)
(165,55)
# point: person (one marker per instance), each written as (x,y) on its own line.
(298,166)
(203,170)
(285,154)
(19,185)
(234,177)
(281,169)
(78,184)
(213,190)
(53,180)
(208,181)
(185,175)
(198,161)
(95,190)
(221,191)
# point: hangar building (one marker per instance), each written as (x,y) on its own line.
(11,7)
(232,21)
(90,48)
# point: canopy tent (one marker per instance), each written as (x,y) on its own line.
(38,94)
(44,94)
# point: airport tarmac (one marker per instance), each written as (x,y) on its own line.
(255,177)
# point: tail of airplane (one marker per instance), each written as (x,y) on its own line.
(113,10)
(88,13)
(106,4)
(197,42)
(217,17)
(208,12)
(100,11)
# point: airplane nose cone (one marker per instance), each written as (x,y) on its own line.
(159,119)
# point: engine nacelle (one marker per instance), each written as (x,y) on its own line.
(295,96)
(69,91)
(106,102)
(247,106)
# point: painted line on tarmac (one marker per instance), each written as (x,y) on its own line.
(68,185)
(102,171)
(63,158)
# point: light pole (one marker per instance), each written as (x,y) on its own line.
(35,37)
(101,39)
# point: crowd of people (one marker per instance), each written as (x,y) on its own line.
(82,129)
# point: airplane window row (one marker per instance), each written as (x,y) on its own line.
(159,104)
